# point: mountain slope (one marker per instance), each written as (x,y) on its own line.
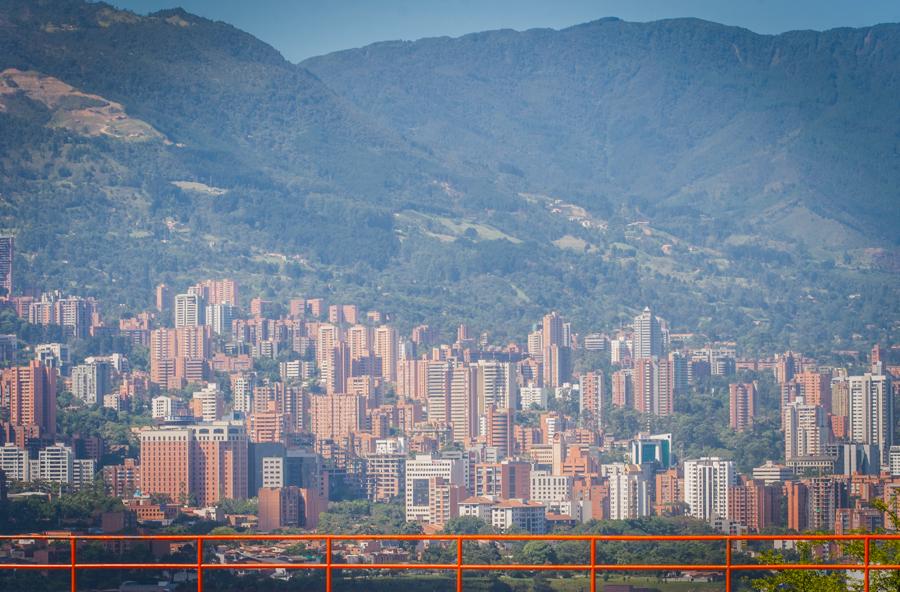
(485,179)
(681,118)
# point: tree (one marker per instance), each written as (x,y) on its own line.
(885,553)
(467,525)
(537,553)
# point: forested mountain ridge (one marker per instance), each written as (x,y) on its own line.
(703,169)
(679,117)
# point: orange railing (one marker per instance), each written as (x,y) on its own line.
(459,567)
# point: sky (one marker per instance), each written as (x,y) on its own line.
(304,28)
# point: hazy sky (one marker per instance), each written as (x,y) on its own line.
(304,28)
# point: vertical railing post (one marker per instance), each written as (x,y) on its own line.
(594,564)
(199,564)
(867,550)
(73,542)
(727,564)
(328,564)
(459,563)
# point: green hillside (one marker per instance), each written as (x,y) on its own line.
(745,185)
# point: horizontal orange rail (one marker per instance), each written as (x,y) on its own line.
(459,567)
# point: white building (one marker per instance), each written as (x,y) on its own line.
(528,516)
(91,381)
(872,412)
(547,488)
(478,506)
(419,471)
(14,461)
(894,461)
(53,355)
(219,317)
(165,407)
(211,402)
(706,487)
(532,395)
(496,385)
(630,490)
(805,430)
(647,341)
(188,310)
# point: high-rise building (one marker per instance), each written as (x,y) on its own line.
(219,317)
(496,385)
(333,417)
(894,461)
(164,298)
(386,352)
(591,401)
(209,403)
(647,338)
(420,474)
(499,430)
(188,310)
(15,462)
(386,477)
(557,365)
(217,291)
(707,487)
(536,345)
(242,385)
(29,395)
(203,463)
(556,351)
(7,254)
(653,386)
(290,507)
(754,504)
(463,403)
(815,388)
(91,382)
(336,368)
(437,391)
(622,388)
(872,412)
(805,430)
(630,490)
(742,405)
(785,367)
(359,340)
(681,373)
(552,330)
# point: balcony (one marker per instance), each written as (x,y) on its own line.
(333,562)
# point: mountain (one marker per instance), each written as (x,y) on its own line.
(745,185)
(679,118)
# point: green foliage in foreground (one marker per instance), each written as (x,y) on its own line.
(881,552)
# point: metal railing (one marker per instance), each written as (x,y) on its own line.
(593,569)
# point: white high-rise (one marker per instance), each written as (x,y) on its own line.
(805,430)
(630,489)
(187,310)
(706,487)
(90,382)
(496,385)
(219,317)
(872,412)
(647,339)
(210,401)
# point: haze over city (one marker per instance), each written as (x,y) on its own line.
(509,296)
